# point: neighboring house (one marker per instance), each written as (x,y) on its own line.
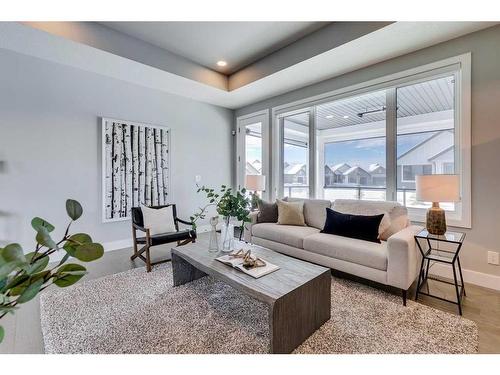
(335,174)
(433,155)
(377,173)
(295,174)
(357,175)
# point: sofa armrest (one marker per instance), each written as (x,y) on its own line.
(403,257)
(247,234)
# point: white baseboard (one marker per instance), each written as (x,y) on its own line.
(472,277)
(119,244)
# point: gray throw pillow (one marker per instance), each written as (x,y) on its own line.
(268,212)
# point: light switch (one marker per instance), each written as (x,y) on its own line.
(197,178)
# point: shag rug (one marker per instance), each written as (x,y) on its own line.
(140,312)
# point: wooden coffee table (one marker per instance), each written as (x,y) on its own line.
(298,294)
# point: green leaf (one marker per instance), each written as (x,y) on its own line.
(74,209)
(2,333)
(81,238)
(7,268)
(66,274)
(30,292)
(76,240)
(38,223)
(38,265)
(13,253)
(17,281)
(44,239)
(89,252)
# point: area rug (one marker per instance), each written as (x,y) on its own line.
(140,312)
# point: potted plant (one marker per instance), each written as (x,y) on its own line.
(229,203)
(23,276)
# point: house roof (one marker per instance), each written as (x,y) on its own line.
(250,169)
(354,169)
(422,143)
(341,167)
(293,168)
(374,167)
(441,153)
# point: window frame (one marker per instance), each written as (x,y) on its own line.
(459,66)
(242,122)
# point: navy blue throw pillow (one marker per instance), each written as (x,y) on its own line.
(352,226)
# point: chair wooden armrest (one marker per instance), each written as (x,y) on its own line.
(185,222)
(135,226)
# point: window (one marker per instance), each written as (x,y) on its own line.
(351,145)
(252,156)
(425,134)
(371,140)
(295,149)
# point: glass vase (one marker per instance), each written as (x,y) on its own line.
(227,236)
(213,245)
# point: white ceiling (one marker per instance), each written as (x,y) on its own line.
(237,43)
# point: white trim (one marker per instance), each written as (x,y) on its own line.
(472,277)
(103,161)
(459,65)
(120,244)
(263,118)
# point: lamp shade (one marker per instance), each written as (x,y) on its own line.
(255,182)
(438,188)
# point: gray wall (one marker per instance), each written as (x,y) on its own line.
(484,45)
(50,144)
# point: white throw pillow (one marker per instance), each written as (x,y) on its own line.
(158,220)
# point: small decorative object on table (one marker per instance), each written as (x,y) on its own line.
(213,245)
(435,254)
(227,235)
(437,188)
(244,261)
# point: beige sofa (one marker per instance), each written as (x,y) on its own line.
(395,261)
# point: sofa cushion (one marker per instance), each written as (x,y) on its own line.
(288,234)
(314,211)
(398,214)
(354,226)
(268,212)
(290,213)
(369,254)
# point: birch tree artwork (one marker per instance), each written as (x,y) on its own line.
(135,167)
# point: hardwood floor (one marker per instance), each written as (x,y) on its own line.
(23,333)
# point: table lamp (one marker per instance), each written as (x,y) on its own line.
(437,188)
(255,183)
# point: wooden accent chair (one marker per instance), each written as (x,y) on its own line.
(182,237)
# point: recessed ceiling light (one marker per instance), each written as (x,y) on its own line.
(346,116)
(221,63)
(329,116)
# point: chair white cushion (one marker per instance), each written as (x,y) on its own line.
(158,220)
